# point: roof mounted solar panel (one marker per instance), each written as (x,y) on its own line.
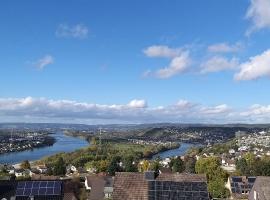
(39,188)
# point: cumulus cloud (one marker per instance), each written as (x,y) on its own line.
(218,63)
(162,51)
(259,14)
(137,103)
(257,113)
(135,111)
(44,61)
(257,67)
(177,65)
(224,48)
(78,31)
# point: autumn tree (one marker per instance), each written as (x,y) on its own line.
(25,164)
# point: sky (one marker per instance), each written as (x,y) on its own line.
(124,61)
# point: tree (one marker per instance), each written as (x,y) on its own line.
(102,165)
(59,167)
(129,164)
(114,165)
(190,164)
(144,166)
(155,166)
(217,189)
(242,166)
(25,164)
(216,176)
(177,165)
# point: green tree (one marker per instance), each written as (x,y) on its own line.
(59,167)
(25,164)
(209,166)
(190,164)
(155,166)
(114,165)
(102,165)
(177,165)
(242,166)
(217,189)
(129,164)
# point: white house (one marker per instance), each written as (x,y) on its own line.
(19,172)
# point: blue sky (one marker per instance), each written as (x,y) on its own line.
(135,61)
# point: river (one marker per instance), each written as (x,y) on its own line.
(63,143)
(182,150)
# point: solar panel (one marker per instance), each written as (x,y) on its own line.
(236,179)
(57,191)
(39,188)
(251,179)
(28,184)
(35,184)
(20,185)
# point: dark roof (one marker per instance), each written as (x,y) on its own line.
(241,185)
(135,186)
(97,184)
(7,189)
(39,189)
(262,188)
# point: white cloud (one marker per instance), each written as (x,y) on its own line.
(219,109)
(224,48)
(135,111)
(43,62)
(162,51)
(257,67)
(137,103)
(259,13)
(218,63)
(78,31)
(177,65)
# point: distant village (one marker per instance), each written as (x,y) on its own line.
(15,142)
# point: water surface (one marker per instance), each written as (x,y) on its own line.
(182,150)
(63,144)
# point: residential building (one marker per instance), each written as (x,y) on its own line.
(240,186)
(261,189)
(148,186)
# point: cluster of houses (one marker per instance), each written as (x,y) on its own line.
(261,138)
(21,142)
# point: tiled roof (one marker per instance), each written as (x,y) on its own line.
(130,186)
(262,188)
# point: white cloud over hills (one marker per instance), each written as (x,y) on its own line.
(136,111)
